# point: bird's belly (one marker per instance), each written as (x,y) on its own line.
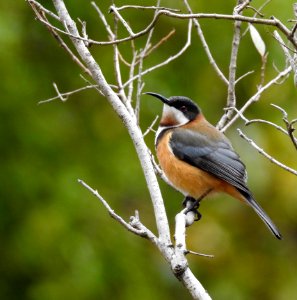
(188,179)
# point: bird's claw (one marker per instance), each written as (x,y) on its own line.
(192,205)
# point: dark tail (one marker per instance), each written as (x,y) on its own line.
(261,213)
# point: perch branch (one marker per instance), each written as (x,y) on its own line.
(129,122)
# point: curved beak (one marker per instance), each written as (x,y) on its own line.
(160,97)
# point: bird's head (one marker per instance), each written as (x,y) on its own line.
(177,111)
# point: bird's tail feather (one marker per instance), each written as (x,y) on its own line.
(261,213)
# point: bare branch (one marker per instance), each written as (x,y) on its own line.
(285,49)
(270,22)
(167,61)
(117,69)
(193,285)
(261,151)
(179,263)
(243,76)
(140,229)
(231,97)
(134,131)
(289,125)
(257,12)
(142,55)
(263,68)
(268,123)
(242,4)
(238,112)
(58,92)
(292,60)
(40,14)
(146,7)
(199,254)
(64,96)
(103,19)
(256,97)
(150,128)
(175,255)
(114,10)
(162,41)
(131,74)
(36,5)
(205,45)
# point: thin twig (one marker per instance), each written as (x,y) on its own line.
(263,68)
(84,31)
(289,125)
(231,96)
(114,10)
(261,151)
(117,70)
(199,254)
(36,4)
(205,46)
(146,7)
(141,230)
(285,49)
(257,12)
(40,14)
(238,112)
(242,4)
(58,92)
(158,170)
(142,55)
(162,41)
(243,76)
(129,122)
(268,123)
(150,128)
(65,96)
(270,22)
(131,74)
(167,61)
(103,19)
(256,96)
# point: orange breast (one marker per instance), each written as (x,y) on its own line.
(189,180)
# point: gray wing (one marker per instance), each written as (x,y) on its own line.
(215,157)
(219,159)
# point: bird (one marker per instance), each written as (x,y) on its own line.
(198,160)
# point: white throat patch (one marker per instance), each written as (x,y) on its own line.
(175,115)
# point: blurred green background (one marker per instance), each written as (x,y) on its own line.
(58,242)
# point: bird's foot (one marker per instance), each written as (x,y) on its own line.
(192,205)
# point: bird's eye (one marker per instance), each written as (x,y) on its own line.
(183,108)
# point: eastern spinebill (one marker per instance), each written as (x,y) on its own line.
(198,159)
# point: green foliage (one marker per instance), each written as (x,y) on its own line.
(58,242)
